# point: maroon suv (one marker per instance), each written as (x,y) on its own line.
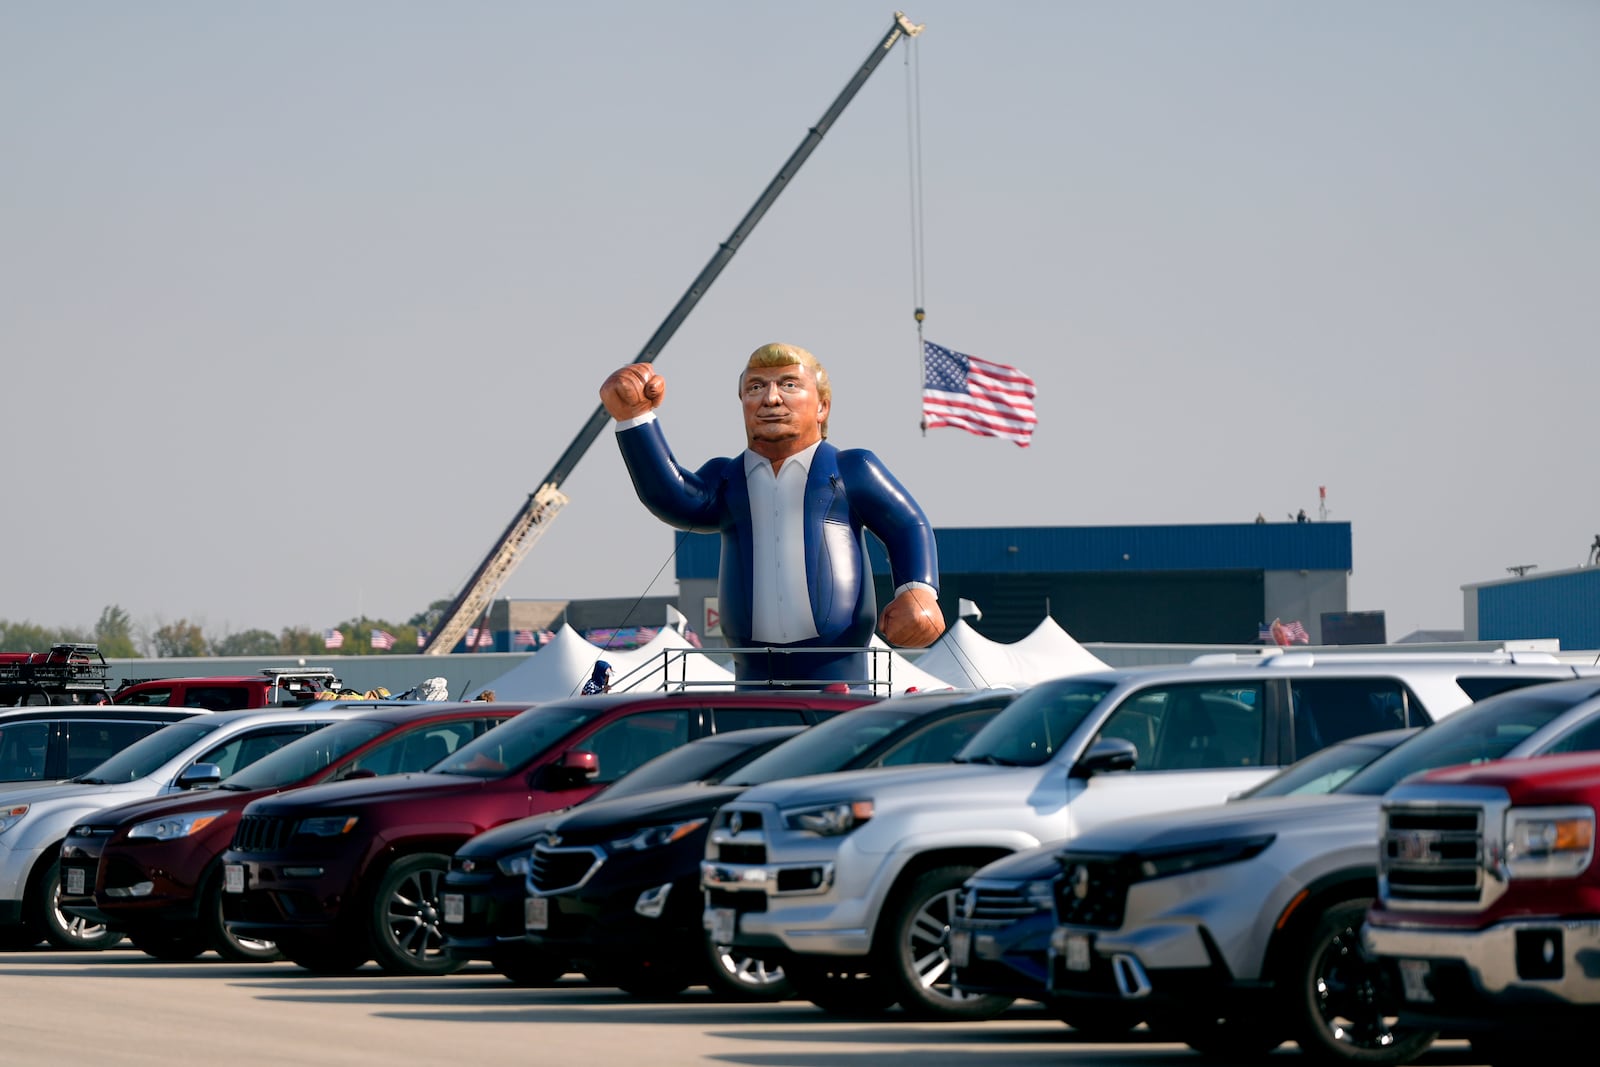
(150,867)
(343,873)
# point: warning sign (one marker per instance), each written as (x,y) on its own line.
(713,626)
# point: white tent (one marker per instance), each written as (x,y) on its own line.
(556,671)
(653,666)
(900,672)
(966,659)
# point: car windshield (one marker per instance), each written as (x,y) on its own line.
(1035,725)
(1475,734)
(148,754)
(299,760)
(1325,770)
(514,743)
(827,746)
(697,761)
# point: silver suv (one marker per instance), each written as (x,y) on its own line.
(849,880)
(1237,927)
(198,751)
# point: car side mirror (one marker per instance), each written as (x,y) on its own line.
(1107,754)
(199,776)
(574,769)
(358,772)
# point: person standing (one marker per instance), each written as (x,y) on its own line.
(600,680)
(793,511)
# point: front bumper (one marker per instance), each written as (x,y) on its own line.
(1010,960)
(1528,972)
(291,893)
(127,887)
(482,913)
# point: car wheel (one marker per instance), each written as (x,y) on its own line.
(1098,1022)
(223,941)
(67,931)
(916,950)
(639,977)
(406,914)
(528,966)
(1339,1009)
(736,975)
(174,945)
(838,987)
(323,954)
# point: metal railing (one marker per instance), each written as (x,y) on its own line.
(671,671)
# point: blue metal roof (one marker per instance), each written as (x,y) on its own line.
(1564,606)
(1272,546)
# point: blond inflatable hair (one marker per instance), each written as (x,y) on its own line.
(777,355)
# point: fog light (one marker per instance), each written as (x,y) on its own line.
(302,872)
(137,889)
(652,902)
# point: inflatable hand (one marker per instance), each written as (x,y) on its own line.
(632,391)
(912,619)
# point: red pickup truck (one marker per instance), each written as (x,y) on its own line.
(232,692)
(1487,920)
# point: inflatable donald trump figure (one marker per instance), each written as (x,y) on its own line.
(792,510)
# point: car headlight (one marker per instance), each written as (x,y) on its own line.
(1549,842)
(516,864)
(656,836)
(174,826)
(327,825)
(829,820)
(1198,857)
(9,817)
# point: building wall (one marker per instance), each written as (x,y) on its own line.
(1561,604)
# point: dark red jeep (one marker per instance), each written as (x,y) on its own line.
(151,867)
(343,873)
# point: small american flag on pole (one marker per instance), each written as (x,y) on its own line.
(422,639)
(527,638)
(333,639)
(989,399)
(382,639)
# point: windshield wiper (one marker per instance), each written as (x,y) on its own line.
(91,781)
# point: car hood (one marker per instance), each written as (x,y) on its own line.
(647,809)
(355,792)
(172,804)
(924,781)
(36,792)
(1238,818)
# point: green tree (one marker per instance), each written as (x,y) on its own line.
(114,633)
(247,643)
(181,638)
(299,641)
(28,637)
(428,621)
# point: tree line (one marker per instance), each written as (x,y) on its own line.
(119,637)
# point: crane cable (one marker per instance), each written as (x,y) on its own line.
(914,166)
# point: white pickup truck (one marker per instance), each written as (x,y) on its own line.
(848,880)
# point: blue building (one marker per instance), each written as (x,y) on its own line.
(1560,604)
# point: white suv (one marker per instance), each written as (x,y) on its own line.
(848,880)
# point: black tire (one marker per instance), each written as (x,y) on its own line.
(838,986)
(323,954)
(406,914)
(1240,1040)
(60,929)
(638,978)
(528,966)
(223,941)
(176,944)
(1500,1050)
(913,944)
(735,975)
(1339,1010)
(1098,1022)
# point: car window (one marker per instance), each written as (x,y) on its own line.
(1035,725)
(146,755)
(730,719)
(628,742)
(242,750)
(1327,710)
(217,697)
(1481,687)
(1324,770)
(157,697)
(305,756)
(1585,737)
(1193,726)
(90,743)
(23,747)
(414,751)
(937,742)
(519,740)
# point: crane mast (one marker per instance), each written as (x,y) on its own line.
(544,503)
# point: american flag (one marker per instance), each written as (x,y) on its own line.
(526,638)
(333,639)
(1296,633)
(422,639)
(990,399)
(382,639)
(1284,633)
(477,638)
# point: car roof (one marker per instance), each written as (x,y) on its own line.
(422,710)
(716,697)
(93,712)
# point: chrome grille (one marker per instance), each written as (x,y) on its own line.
(557,870)
(262,833)
(988,905)
(1433,853)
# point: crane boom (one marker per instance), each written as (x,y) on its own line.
(542,505)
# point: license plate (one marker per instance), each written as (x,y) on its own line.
(1077,952)
(724,924)
(455,908)
(1414,980)
(536,913)
(233,878)
(960,947)
(75,881)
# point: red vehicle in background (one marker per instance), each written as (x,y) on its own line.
(150,868)
(342,873)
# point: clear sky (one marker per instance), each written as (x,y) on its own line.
(299,301)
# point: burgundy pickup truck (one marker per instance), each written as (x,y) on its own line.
(351,871)
(1487,921)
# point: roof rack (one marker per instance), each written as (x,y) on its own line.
(66,666)
(1272,658)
